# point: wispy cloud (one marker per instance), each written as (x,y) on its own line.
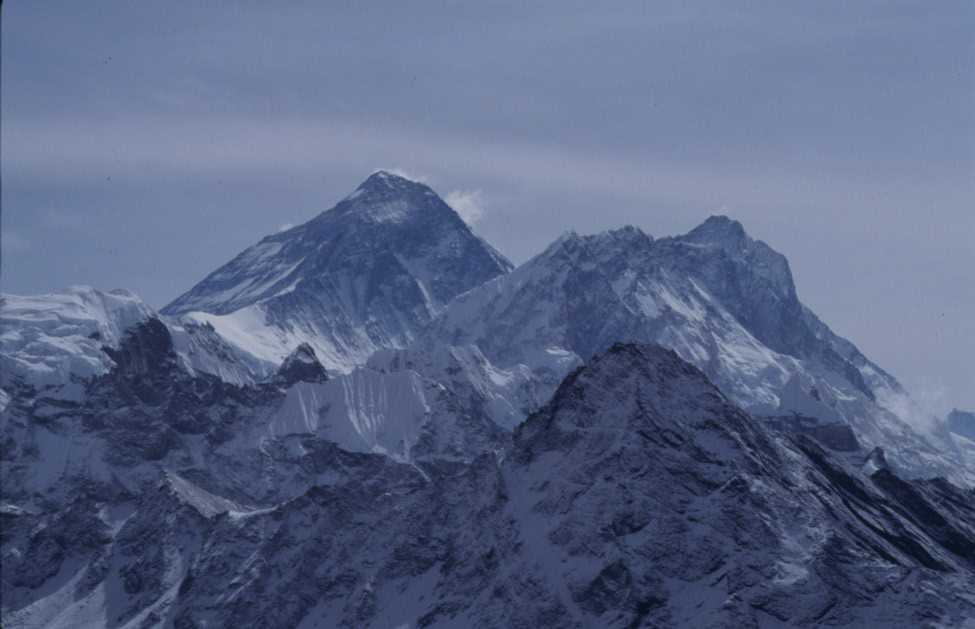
(468,203)
(143,147)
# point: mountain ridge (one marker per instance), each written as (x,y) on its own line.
(623,431)
(382,199)
(638,496)
(365,275)
(364,278)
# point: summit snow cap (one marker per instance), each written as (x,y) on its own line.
(384,185)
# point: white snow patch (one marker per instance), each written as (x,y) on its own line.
(48,339)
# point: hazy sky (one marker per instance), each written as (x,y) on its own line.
(144,144)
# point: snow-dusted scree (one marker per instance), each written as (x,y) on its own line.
(373,420)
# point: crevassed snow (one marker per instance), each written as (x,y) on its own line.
(48,339)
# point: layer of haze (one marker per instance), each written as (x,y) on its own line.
(144,144)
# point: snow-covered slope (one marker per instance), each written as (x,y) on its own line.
(638,497)
(331,430)
(150,412)
(51,339)
(364,275)
(722,300)
(55,342)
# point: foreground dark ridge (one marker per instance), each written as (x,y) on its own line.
(638,496)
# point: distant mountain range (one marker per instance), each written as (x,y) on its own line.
(375,420)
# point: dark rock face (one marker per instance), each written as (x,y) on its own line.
(301,366)
(755,282)
(159,397)
(143,361)
(147,348)
(835,436)
(639,496)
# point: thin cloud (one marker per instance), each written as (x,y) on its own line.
(150,146)
(468,203)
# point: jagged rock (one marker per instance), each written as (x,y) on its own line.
(836,436)
(720,299)
(483,450)
(639,495)
(300,366)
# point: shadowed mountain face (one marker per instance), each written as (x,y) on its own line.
(365,275)
(721,287)
(723,301)
(755,283)
(639,496)
(388,223)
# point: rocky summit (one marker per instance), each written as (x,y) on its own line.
(365,275)
(374,420)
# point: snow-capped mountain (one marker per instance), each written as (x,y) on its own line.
(640,496)
(720,299)
(367,274)
(372,420)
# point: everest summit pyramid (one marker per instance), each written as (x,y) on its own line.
(367,274)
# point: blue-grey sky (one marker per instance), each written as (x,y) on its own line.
(146,143)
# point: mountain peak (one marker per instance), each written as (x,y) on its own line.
(389,179)
(301,365)
(388,183)
(366,274)
(601,245)
(753,258)
(387,197)
(626,236)
(644,391)
(717,229)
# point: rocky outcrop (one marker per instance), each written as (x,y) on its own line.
(639,496)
